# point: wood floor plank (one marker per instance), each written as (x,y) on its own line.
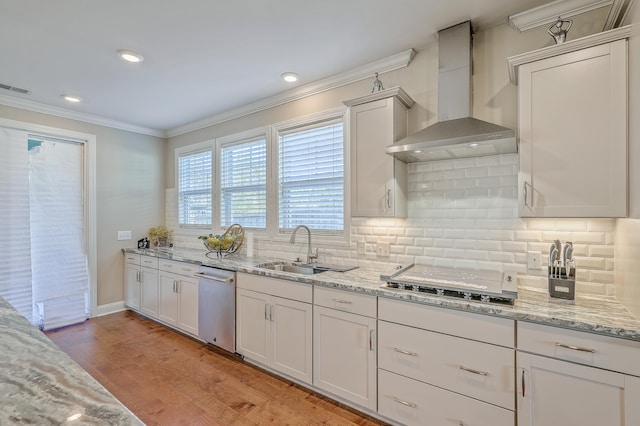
(167,378)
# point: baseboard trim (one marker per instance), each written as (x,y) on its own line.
(109,308)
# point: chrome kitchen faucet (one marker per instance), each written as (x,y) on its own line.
(311,256)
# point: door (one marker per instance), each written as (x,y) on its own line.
(188,304)
(345,355)
(132,286)
(149,291)
(168,299)
(252,326)
(552,392)
(291,338)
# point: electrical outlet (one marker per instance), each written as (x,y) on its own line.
(124,235)
(383,249)
(362,247)
(533,260)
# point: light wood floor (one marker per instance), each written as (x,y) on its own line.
(166,378)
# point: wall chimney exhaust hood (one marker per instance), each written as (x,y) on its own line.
(456,134)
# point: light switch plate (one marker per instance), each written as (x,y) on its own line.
(124,235)
(362,247)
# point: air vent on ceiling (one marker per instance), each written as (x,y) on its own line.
(14,89)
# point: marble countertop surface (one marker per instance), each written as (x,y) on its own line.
(599,315)
(41,385)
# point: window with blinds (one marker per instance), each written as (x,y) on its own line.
(243,184)
(311,177)
(194,188)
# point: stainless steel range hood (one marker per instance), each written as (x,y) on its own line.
(456,134)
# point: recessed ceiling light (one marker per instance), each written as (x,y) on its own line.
(130,55)
(290,77)
(71,98)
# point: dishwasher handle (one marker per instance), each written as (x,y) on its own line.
(227,280)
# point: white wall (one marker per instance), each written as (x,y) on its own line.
(129,186)
(462,213)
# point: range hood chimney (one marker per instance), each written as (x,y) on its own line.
(456,134)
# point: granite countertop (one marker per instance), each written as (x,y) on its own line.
(41,385)
(599,315)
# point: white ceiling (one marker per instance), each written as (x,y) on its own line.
(205,57)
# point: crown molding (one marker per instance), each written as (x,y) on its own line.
(391,63)
(79,116)
(548,13)
(567,47)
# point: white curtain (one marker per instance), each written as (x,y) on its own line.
(15,246)
(43,262)
(58,260)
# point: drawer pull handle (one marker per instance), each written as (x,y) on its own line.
(405,403)
(575,348)
(347,302)
(186,269)
(403,352)
(471,370)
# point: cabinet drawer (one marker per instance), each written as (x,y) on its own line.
(479,370)
(132,258)
(276,287)
(411,402)
(180,268)
(584,348)
(347,301)
(498,331)
(149,262)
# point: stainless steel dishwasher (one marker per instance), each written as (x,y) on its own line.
(217,307)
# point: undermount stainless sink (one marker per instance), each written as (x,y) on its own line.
(303,268)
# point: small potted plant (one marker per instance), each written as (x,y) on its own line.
(159,236)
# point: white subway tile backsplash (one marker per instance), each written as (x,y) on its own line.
(461,213)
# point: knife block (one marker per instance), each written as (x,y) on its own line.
(563,286)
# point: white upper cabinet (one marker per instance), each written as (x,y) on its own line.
(378,181)
(573,131)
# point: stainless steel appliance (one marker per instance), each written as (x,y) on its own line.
(484,286)
(217,307)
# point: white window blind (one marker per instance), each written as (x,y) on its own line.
(58,257)
(194,188)
(15,249)
(311,177)
(243,184)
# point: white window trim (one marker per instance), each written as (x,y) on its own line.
(208,145)
(237,138)
(318,237)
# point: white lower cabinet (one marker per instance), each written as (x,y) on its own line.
(344,361)
(178,298)
(443,367)
(141,284)
(272,330)
(565,378)
(412,402)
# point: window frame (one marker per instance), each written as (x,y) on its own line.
(190,150)
(235,139)
(342,238)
